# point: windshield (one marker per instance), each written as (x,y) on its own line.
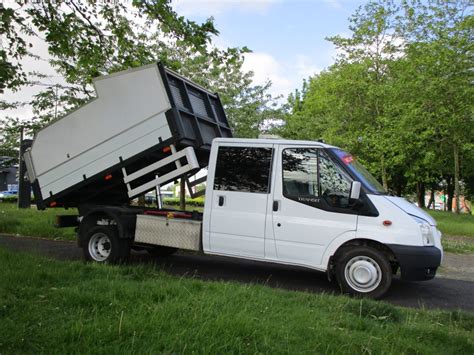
(360,172)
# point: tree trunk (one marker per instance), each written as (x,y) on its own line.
(182,194)
(384,174)
(445,200)
(468,206)
(399,190)
(420,194)
(450,189)
(24,185)
(432,198)
(456,178)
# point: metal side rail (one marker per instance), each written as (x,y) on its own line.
(189,184)
(192,184)
(191,164)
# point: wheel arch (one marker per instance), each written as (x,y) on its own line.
(335,248)
(125,223)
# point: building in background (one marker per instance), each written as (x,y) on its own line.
(8,175)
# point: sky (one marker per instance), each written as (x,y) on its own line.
(287,38)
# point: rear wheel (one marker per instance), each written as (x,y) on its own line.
(102,244)
(363,271)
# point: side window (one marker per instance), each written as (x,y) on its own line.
(300,175)
(243,169)
(334,183)
(312,178)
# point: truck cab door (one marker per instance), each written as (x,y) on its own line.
(236,219)
(311,204)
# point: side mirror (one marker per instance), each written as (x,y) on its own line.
(355,190)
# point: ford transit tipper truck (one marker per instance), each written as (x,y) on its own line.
(299,203)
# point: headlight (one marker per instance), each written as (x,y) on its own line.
(425,229)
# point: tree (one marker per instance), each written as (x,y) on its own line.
(439,57)
(247,107)
(88,39)
(400,94)
(354,91)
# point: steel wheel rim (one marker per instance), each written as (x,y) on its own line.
(363,274)
(100,246)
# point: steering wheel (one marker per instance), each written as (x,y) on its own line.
(333,198)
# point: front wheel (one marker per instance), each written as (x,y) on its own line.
(102,244)
(364,271)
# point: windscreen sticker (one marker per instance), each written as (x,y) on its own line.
(347,159)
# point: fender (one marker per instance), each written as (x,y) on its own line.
(125,221)
(340,240)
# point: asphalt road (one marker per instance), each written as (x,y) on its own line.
(438,293)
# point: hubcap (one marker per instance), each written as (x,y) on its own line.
(363,274)
(99,246)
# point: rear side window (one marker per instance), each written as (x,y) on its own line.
(243,169)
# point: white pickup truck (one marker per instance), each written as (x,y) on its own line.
(299,203)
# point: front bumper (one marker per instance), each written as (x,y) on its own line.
(417,263)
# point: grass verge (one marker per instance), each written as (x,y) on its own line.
(30,222)
(71,307)
(34,223)
(454,224)
(458,245)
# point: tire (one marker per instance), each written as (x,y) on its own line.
(363,272)
(161,251)
(103,245)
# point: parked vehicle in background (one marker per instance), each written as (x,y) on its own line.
(150,198)
(10,194)
(300,203)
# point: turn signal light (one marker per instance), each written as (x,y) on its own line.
(387,223)
(166,149)
(108,177)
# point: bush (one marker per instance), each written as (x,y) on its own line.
(10,198)
(198,202)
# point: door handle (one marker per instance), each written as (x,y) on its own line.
(221,200)
(276,205)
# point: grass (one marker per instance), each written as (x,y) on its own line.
(30,222)
(34,223)
(457,245)
(454,224)
(48,306)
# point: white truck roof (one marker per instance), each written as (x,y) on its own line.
(271,140)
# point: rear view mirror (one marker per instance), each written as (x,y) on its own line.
(355,190)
